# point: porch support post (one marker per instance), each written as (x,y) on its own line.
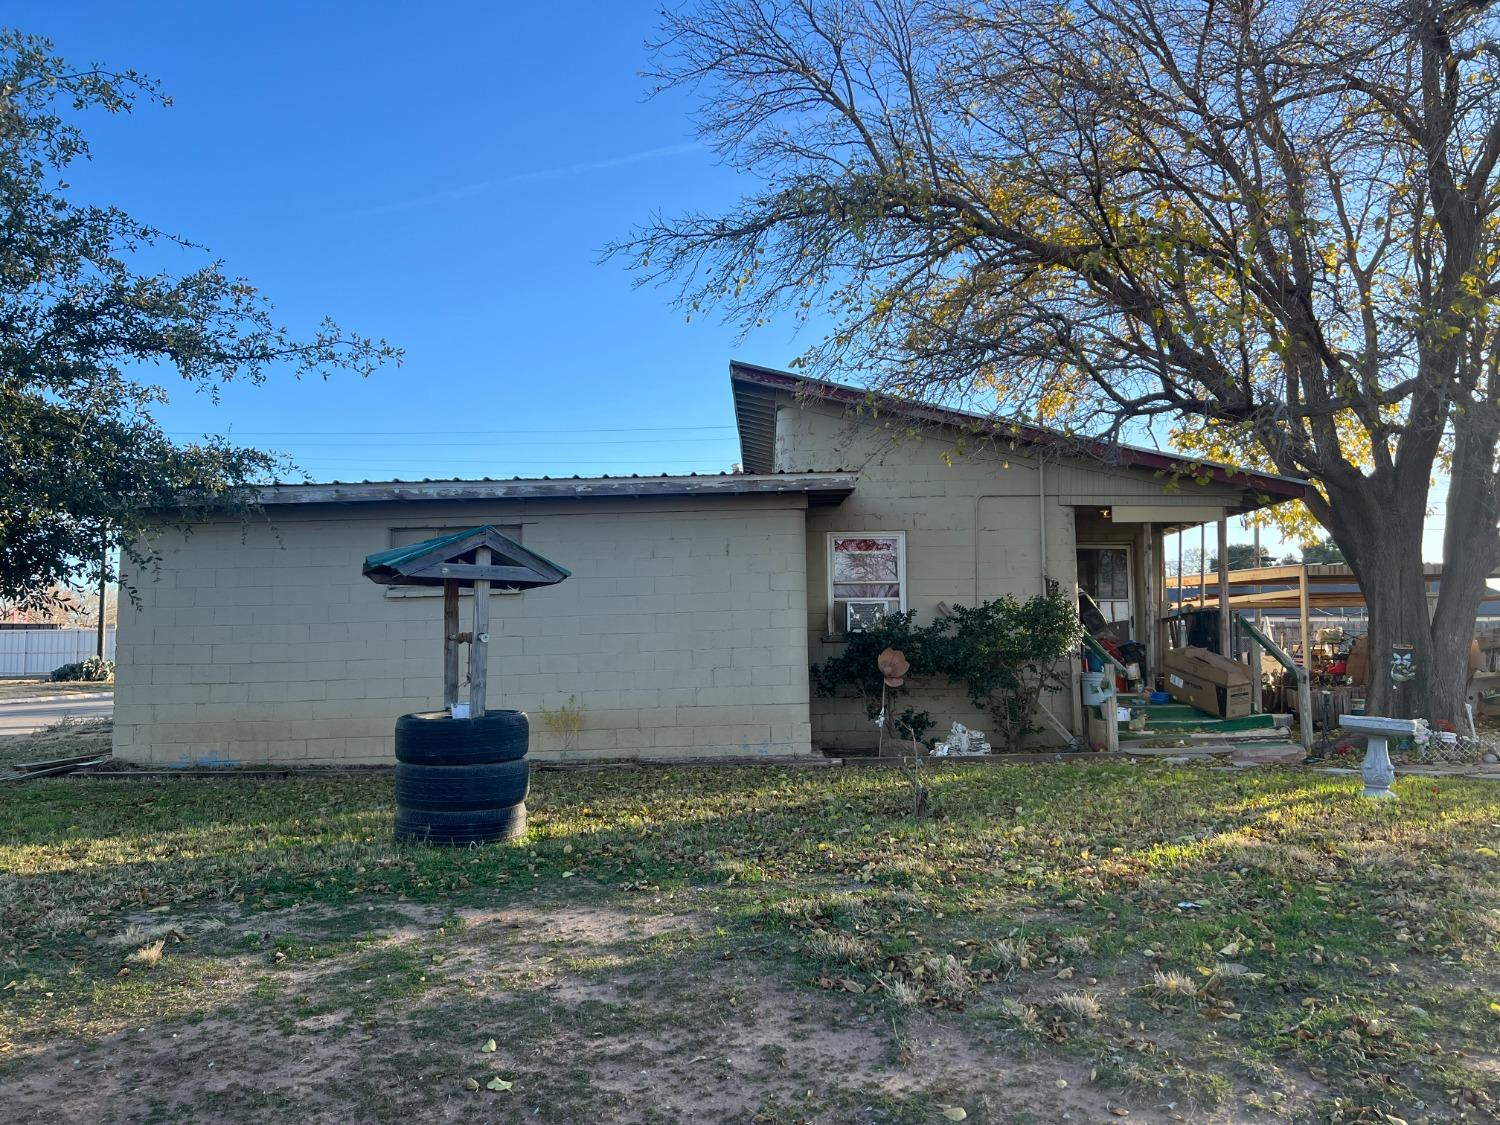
(1304,618)
(1224,630)
(1202,565)
(1143,629)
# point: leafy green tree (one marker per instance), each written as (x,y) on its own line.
(1242,556)
(85,328)
(1324,551)
(1274,228)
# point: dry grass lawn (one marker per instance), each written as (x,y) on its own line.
(770,945)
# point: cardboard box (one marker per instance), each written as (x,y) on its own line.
(1358,669)
(1210,682)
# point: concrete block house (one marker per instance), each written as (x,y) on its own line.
(696,603)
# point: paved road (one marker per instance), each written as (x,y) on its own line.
(21,718)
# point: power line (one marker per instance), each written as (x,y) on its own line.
(507,444)
(439,433)
(436,462)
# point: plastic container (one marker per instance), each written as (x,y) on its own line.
(1094,691)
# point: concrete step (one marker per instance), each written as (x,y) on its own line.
(1262,752)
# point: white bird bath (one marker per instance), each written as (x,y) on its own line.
(1377,769)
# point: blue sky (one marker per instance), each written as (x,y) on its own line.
(446,177)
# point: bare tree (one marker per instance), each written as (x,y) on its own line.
(1268,228)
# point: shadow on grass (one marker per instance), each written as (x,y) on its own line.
(1279,857)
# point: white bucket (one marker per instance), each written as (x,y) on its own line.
(1094,692)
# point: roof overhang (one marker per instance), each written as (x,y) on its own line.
(757,388)
(821,489)
(454,558)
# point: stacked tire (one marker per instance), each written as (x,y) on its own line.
(461,781)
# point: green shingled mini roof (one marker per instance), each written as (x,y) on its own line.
(435,561)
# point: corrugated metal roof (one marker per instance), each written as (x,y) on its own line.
(755,415)
(822,488)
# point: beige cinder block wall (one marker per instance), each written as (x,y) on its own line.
(973,515)
(682,632)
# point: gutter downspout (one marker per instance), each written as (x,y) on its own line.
(1041,499)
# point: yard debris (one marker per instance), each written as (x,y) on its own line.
(498,1084)
(1269,755)
(24,771)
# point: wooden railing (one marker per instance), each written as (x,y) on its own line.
(1107,709)
(1300,676)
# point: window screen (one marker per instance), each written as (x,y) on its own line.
(866,571)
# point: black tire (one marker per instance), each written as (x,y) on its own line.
(494,785)
(481,826)
(431,738)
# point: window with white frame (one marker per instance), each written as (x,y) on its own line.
(866,578)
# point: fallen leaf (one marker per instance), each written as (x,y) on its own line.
(955,1113)
(489,1045)
(470,1084)
(499,1084)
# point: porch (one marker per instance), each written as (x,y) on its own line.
(1130,566)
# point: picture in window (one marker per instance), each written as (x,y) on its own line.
(865,579)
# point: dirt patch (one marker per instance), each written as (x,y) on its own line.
(599,1011)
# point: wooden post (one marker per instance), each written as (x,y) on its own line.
(1202,565)
(1148,624)
(1258,562)
(1110,711)
(479,647)
(1304,709)
(1303,619)
(1181,577)
(1257,687)
(450,643)
(1224,631)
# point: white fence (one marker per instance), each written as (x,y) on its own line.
(36,652)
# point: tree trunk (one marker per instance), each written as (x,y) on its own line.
(1380,533)
(1471,551)
(1389,571)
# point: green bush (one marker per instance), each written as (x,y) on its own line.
(92,670)
(855,668)
(1006,653)
(1003,653)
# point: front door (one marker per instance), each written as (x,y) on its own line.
(1104,575)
